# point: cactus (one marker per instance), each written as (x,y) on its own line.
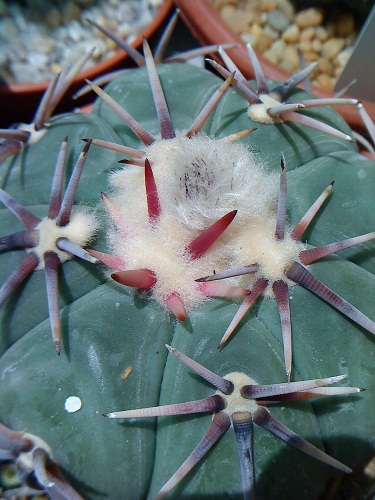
(112,351)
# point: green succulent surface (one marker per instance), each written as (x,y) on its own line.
(106,328)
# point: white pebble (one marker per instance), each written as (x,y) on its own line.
(72,404)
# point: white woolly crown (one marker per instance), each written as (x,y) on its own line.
(198,181)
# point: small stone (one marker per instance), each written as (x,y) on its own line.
(291,34)
(74,31)
(306,46)
(317,45)
(337,72)
(321,33)
(249,38)
(37,59)
(271,56)
(268,5)
(238,20)
(219,4)
(345,24)
(278,47)
(263,43)
(290,60)
(309,17)
(278,21)
(332,47)
(155,3)
(324,81)
(286,8)
(56,68)
(308,33)
(256,30)
(262,18)
(228,11)
(273,34)
(331,29)
(325,66)
(23,72)
(38,43)
(310,57)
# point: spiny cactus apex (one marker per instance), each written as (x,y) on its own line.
(52,240)
(169,272)
(24,134)
(269,106)
(35,466)
(185,180)
(238,402)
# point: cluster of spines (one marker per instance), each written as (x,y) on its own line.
(239,402)
(35,459)
(59,213)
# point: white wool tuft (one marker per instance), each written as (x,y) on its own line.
(80,230)
(258,112)
(257,244)
(198,180)
(235,402)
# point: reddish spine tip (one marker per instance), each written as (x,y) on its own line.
(136,278)
(153,203)
(205,240)
(57,347)
(175,305)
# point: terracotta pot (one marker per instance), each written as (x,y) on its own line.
(18,102)
(208,27)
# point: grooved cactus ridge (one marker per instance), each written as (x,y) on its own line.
(186,210)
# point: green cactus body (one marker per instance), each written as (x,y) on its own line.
(113,355)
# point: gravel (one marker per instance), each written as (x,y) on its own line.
(275,29)
(40,37)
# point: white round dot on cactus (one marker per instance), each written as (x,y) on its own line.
(72,404)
